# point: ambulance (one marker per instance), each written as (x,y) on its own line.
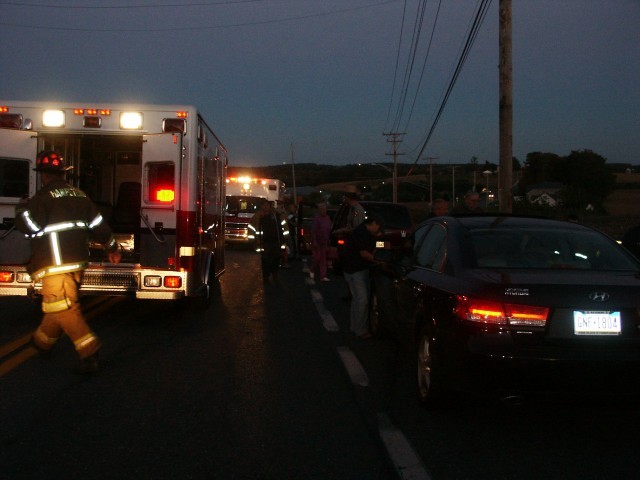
(244,195)
(158,175)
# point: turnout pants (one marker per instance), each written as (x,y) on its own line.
(62,313)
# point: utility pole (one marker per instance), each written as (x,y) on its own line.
(505,179)
(431,159)
(394,139)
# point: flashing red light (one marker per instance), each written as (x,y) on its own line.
(6,277)
(4,109)
(341,241)
(165,195)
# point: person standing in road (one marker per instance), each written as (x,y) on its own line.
(320,239)
(270,238)
(439,207)
(356,212)
(359,258)
(469,206)
(292,223)
(59,219)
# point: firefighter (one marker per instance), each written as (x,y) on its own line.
(271,232)
(59,219)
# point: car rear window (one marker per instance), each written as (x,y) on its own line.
(542,248)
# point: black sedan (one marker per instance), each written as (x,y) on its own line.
(514,304)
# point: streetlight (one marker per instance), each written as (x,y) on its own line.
(486,173)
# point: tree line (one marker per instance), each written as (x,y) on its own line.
(584,176)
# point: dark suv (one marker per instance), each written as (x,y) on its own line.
(396,231)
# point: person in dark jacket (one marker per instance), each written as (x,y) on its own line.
(270,231)
(359,258)
(60,219)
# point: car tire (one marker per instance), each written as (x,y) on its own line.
(429,379)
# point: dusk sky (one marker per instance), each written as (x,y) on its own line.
(319,74)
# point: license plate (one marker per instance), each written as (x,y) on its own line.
(597,323)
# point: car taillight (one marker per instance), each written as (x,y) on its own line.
(6,277)
(497,313)
(341,241)
(482,311)
(526,315)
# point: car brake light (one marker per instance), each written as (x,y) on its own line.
(527,315)
(481,311)
(490,312)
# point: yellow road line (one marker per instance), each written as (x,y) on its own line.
(18,359)
(15,345)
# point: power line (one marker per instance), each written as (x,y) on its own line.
(181,29)
(120,7)
(479,18)
(395,72)
(424,64)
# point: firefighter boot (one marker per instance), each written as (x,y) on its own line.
(87,349)
(87,365)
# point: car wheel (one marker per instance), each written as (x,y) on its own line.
(431,392)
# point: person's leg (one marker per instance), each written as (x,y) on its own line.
(359,286)
(322,262)
(72,320)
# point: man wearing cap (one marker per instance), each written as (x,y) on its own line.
(356,212)
(59,219)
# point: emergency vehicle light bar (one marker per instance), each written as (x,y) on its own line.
(104,112)
(246,180)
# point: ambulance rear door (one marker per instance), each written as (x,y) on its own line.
(161,161)
(18,149)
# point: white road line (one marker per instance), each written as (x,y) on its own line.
(407,463)
(316,296)
(328,322)
(353,366)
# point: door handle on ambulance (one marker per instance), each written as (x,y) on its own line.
(145,219)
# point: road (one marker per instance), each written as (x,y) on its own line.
(267,383)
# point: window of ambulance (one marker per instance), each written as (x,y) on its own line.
(14,178)
(160,183)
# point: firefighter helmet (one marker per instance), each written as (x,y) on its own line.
(49,161)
